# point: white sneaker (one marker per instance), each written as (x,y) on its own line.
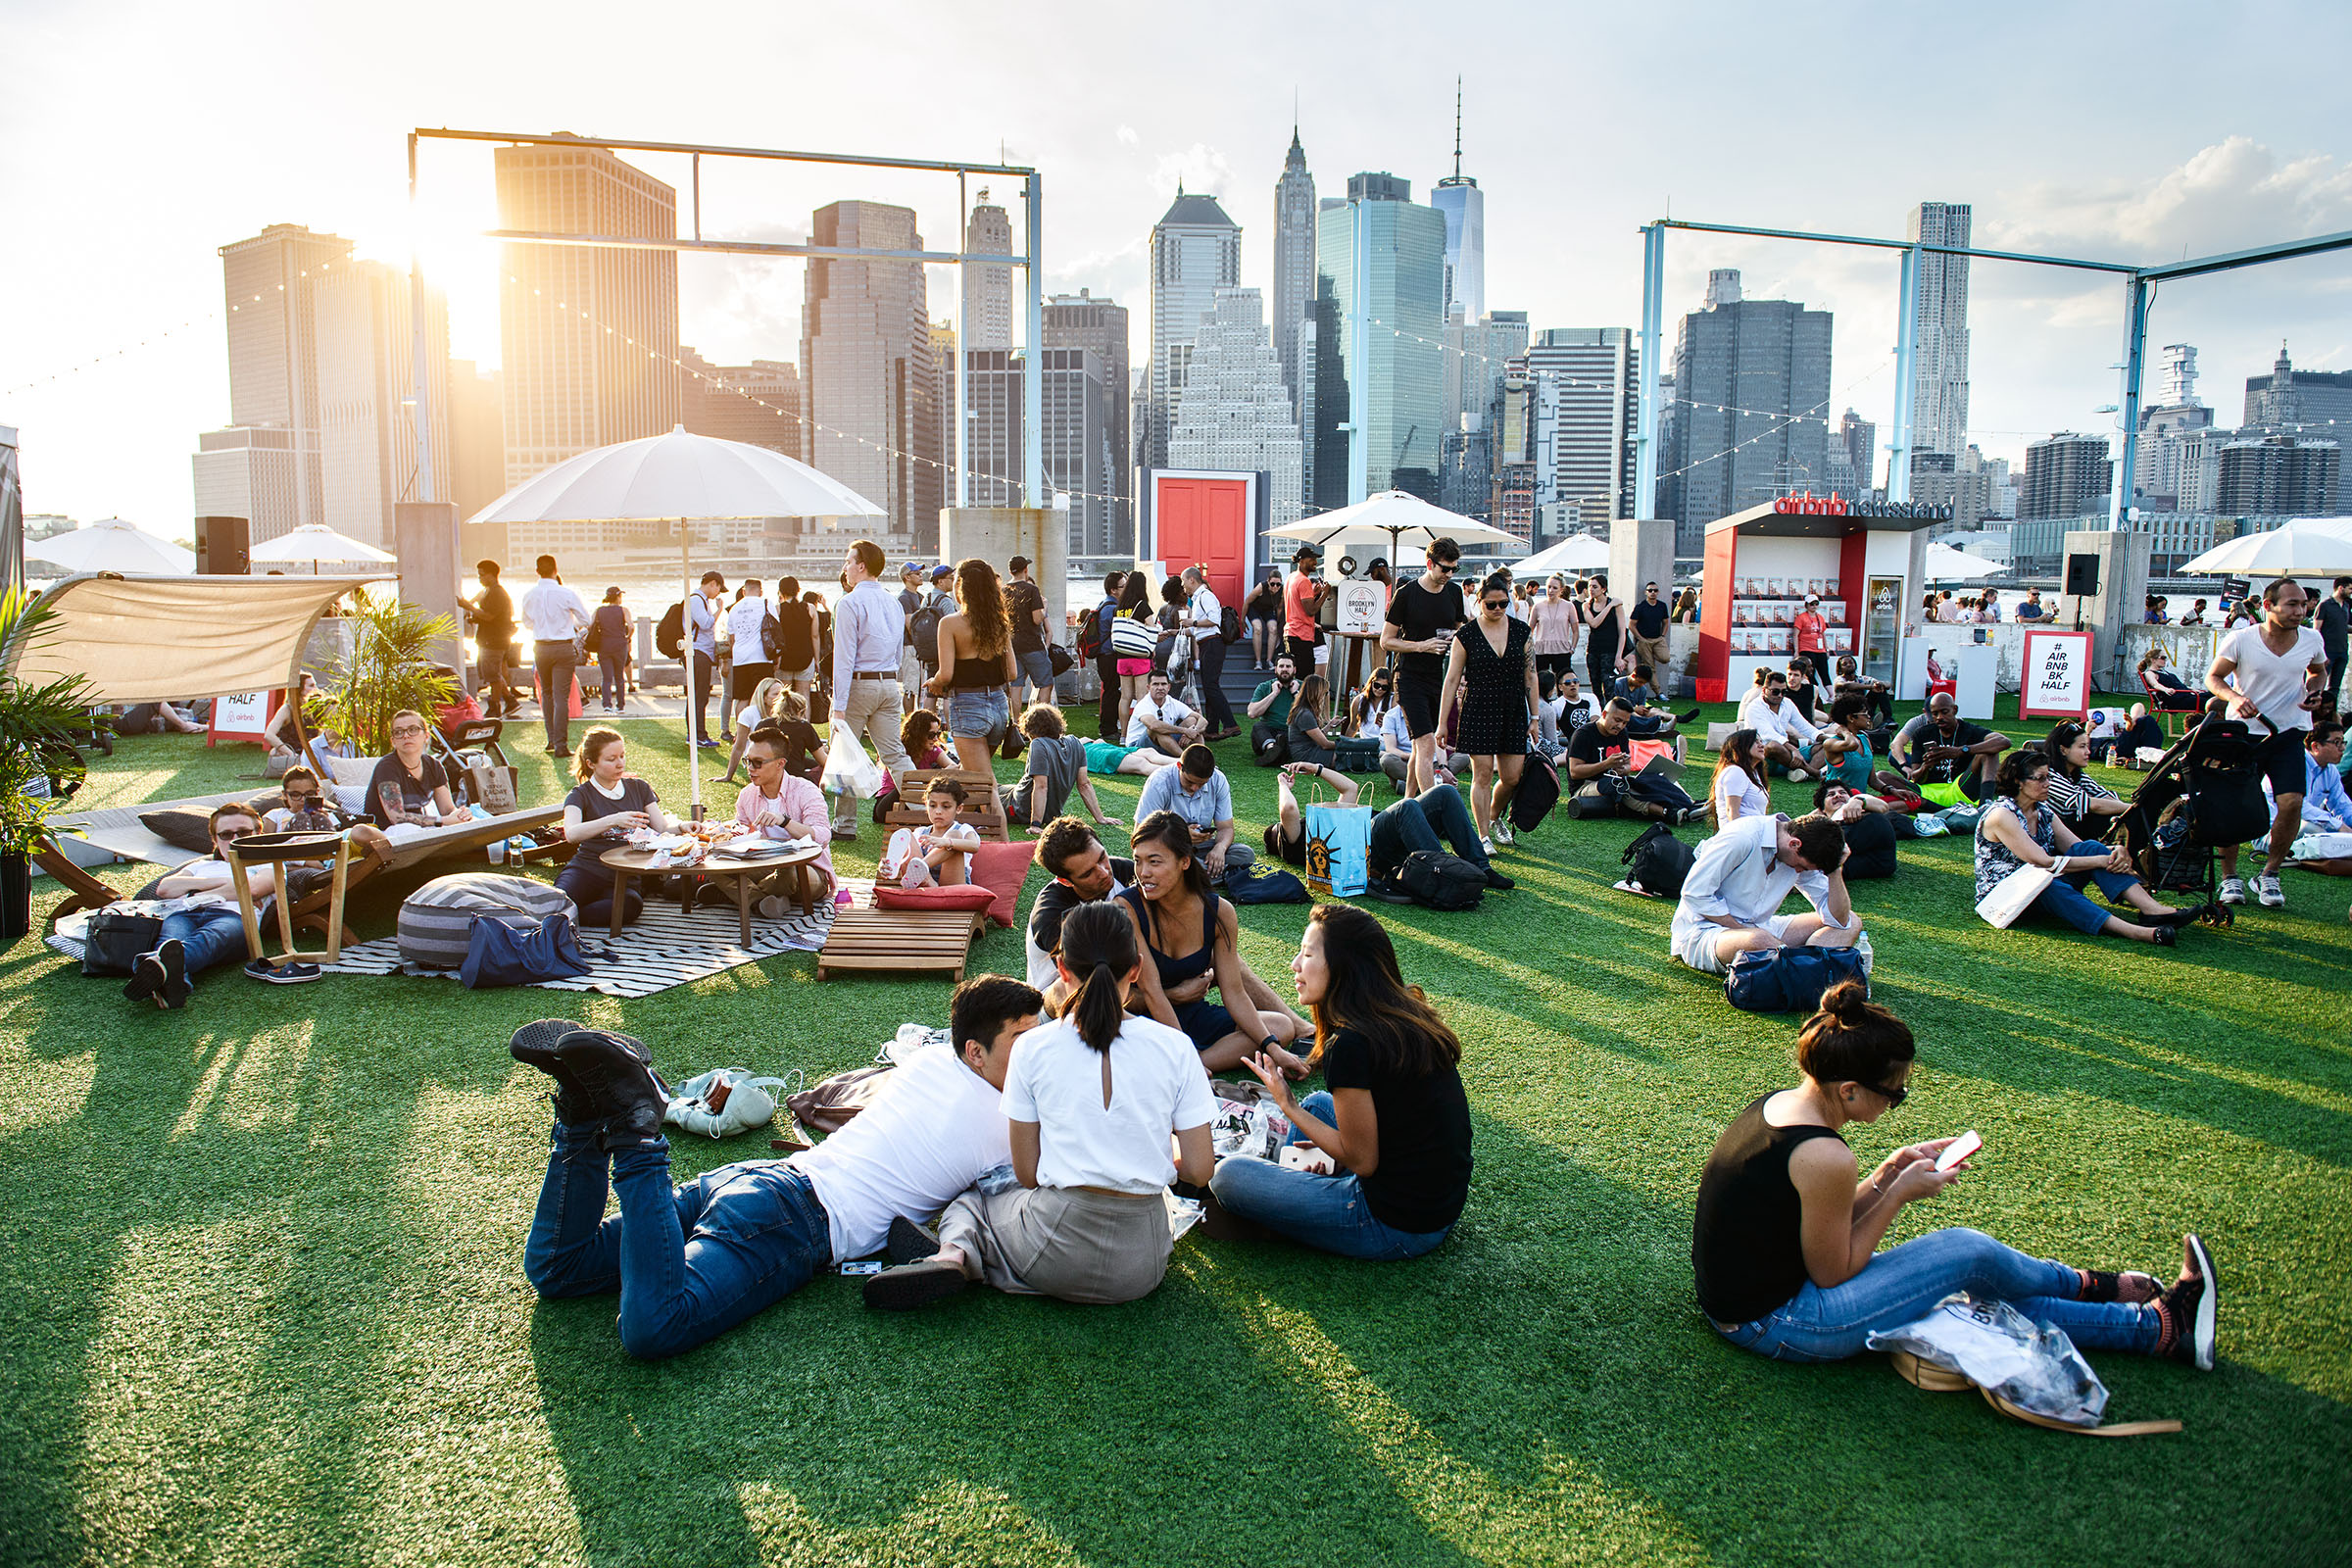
(2233,889)
(1503,830)
(2267,889)
(1485,844)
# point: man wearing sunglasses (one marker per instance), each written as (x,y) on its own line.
(1423,617)
(207,929)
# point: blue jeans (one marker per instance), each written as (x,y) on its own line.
(207,935)
(690,1263)
(977,714)
(615,682)
(2062,899)
(1902,1283)
(1437,819)
(1325,1212)
(589,886)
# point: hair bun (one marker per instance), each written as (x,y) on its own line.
(1848,1001)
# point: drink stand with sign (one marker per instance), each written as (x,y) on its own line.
(1862,559)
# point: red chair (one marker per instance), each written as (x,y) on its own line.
(2173,703)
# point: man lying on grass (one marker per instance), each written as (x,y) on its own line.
(692,1262)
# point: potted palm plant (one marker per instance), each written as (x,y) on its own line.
(393,665)
(40,766)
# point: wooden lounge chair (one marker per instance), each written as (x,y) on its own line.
(863,936)
(983,806)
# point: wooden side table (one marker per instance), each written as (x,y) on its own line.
(280,850)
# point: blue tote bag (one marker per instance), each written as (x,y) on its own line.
(1339,848)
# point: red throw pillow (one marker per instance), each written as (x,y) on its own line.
(974,898)
(1002,869)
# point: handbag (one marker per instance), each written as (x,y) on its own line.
(1133,638)
(2012,895)
(114,938)
(592,640)
(508,950)
(1060,657)
(1790,979)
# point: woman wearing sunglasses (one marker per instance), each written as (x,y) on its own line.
(1786,1243)
(1490,671)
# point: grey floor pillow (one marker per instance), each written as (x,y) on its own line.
(437,919)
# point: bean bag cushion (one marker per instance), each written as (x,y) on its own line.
(436,921)
(974,898)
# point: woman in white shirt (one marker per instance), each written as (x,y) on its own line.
(1092,1098)
(1741,782)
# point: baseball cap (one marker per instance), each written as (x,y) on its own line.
(911,569)
(1812,599)
(941,571)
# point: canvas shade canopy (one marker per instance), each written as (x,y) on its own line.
(689,478)
(2297,550)
(318,544)
(113,544)
(1579,551)
(162,639)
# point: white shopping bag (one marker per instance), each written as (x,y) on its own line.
(848,769)
(2012,895)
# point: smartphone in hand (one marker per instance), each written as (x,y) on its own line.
(1958,1150)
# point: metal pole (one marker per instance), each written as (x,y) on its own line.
(424,445)
(1645,417)
(963,418)
(1359,391)
(1907,345)
(2135,343)
(697,195)
(694,742)
(1033,385)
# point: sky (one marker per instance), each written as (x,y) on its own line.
(152,134)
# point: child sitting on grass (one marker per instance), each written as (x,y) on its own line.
(938,854)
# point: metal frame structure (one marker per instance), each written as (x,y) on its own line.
(1033,466)
(2139,286)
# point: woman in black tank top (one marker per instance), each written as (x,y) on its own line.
(1783,1246)
(975,665)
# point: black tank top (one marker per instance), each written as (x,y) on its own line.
(976,675)
(1746,1243)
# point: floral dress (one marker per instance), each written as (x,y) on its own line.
(1995,859)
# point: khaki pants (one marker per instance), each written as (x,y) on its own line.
(1074,1244)
(1652,651)
(873,709)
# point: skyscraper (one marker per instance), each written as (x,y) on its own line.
(2067,475)
(2281,475)
(588,335)
(2292,402)
(2166,423)
(987,288)
(1464,205)
(320,356)
(1235,414)
(1081,322)
(1939,336)
(477,438)
(1293,264)
(1389,386)
(1477,356)
(943,398)
(1751,387)
(866,363)
(1594,372)
(1075,406)
(1195,250)
(757,404)
(1860,438)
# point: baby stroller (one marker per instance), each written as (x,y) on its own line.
(2205,794)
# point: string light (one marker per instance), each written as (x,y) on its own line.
(114,354)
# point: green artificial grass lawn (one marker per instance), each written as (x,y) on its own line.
(261,1295)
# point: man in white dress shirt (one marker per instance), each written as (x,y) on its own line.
(1205,618)
(1731,900)
(554,616)
(869,632)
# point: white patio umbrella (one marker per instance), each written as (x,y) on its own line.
(688,478)
(113,544)
(316,543)
(1579,551)
(1386,521)
(1947,565)
(2300,549)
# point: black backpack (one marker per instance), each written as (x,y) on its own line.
(1441,881)
(1659,861)
(922,628)
(1229,625)
(1248,884)
(1537,793)
(670,636)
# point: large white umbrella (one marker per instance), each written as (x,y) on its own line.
(1579,551)
(1947,565)
(316,543)
(2301,549)
(695,478)
(113,544)
(1387,523)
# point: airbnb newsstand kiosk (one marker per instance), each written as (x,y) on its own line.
(1862,559)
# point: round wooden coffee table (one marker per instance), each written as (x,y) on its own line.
(797,864)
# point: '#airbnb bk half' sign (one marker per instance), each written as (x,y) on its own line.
(2055,677)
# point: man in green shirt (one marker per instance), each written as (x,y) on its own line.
(1270,712)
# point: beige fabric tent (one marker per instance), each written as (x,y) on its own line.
(161,639)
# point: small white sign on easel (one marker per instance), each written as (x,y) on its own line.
(1363,606)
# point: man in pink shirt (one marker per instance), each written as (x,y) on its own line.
(1809,627)
(778,804)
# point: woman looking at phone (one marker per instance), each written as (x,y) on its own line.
(1784,1244)
(1394,1126)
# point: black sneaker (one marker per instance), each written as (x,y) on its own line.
(146,977)
(914,1284)
(2189,1309)
(161,974)
(908,1241)
(1497,881)
(1691,717)
(609,1068)
(1388,890)
(282,974)
(535,1046)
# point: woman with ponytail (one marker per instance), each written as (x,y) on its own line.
(1786,1241)
(1395,1124)
(1092,1098)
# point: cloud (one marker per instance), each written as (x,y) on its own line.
(1199,168)
(2232,195)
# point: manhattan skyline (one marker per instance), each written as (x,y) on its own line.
(303,122)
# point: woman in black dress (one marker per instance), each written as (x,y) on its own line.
(1490,671)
